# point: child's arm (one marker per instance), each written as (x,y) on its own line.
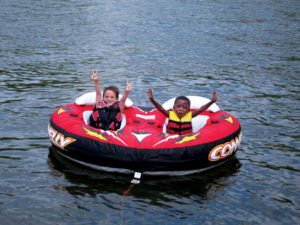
(156,104)
(125,96)
(206,106)
(95,78)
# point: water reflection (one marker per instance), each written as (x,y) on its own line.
(81,180)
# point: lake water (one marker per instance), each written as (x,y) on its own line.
(248,51)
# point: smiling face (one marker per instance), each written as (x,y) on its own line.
(181,107)
(110,94)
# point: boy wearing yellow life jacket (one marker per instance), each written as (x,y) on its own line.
(180,118)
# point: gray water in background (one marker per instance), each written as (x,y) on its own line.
(247,50)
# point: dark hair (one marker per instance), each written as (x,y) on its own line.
(113,89)
(183,98)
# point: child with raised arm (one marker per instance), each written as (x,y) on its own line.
(180,118)
(107,110)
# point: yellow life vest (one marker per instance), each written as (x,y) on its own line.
(178,125)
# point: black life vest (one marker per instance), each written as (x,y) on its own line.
(107,117)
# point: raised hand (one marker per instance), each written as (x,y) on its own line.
(95,76)
(150,93)
(215,97)
(128,86)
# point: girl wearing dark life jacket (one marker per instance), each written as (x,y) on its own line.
(107,110)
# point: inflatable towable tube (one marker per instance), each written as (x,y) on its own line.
(141,144)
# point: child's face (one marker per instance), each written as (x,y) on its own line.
(181,107)
(109,96)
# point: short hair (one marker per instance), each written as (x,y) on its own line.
(183,98)
(113,89)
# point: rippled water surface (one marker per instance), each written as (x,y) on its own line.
(248,51)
